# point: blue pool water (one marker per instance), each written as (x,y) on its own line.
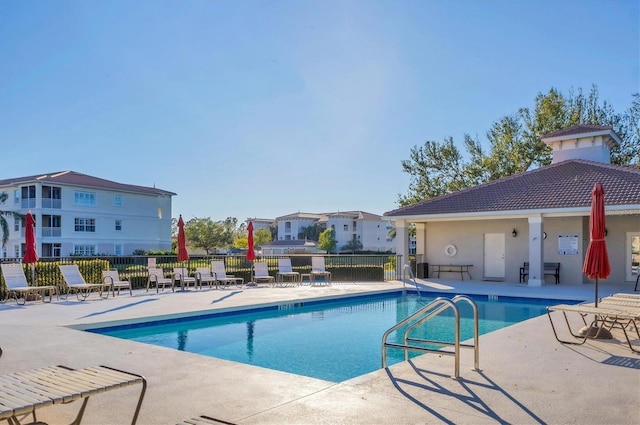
(331,340)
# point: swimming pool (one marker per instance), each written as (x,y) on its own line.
(333,340)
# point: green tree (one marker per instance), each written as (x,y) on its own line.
(3,218)
(261,237)
(353,246)
(515,144)
(311,232)
(327,241)
(209,235)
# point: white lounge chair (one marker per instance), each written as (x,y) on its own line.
(156,277)
(113,278)
(221,275)
(318,271)
(285,272)
(185,280)
(204,276)
(18,288)
(261,273)
(74,282)
(22,393)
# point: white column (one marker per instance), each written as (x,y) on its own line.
(536,261)
(421,242)
(402,241)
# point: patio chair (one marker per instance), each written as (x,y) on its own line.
(113,278)
(18,288)
(74,282)
(156,276)
(318,270)
(606,316)
(285,272)
(261,273)
(22,393)
(185,280)
(204,276)
(221,275)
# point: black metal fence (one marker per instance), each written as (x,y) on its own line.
(345,268)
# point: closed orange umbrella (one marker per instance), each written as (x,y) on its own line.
(596,262)
(30,253)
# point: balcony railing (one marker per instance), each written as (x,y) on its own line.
(51,203)
(51,232)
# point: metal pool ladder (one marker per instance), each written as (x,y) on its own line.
(407,269)
(421,316)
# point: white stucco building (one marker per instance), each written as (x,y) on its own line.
(77,214)
(370,229)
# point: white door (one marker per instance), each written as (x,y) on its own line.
(494,266)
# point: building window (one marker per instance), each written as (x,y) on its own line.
(16,196)
(51,197)
(84,198)
(117,200)
(17,224)
(84,250)
(85,225)
(51,225)
(51,249)
(287,227)
(118,225)
(118,250)
(28,197)
(16,251)
(354,225)
(345,227)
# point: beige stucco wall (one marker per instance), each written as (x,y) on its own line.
(468,237)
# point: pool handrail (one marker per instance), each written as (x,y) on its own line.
(432,309)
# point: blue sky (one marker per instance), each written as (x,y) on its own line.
(265,108)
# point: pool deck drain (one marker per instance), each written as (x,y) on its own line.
(527,376)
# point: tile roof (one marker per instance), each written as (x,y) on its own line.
(566,184)
(325,216)
(79,179)
(578,129)
(293,242)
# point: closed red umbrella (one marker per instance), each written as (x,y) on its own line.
(183,255)
(30,253)
(596,262)
(251,253)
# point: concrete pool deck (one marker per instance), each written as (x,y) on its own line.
(527,377)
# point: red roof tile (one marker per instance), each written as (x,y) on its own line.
(79,179)
(567,184)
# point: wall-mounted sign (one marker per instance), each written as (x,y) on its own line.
(567,244)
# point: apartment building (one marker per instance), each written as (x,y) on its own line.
(370,229)
(78,214)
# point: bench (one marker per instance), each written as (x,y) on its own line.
(550,269)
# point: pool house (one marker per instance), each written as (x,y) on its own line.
(540,217)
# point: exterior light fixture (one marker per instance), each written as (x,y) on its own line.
(514,233)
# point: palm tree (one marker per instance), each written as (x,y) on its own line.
(3,221)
